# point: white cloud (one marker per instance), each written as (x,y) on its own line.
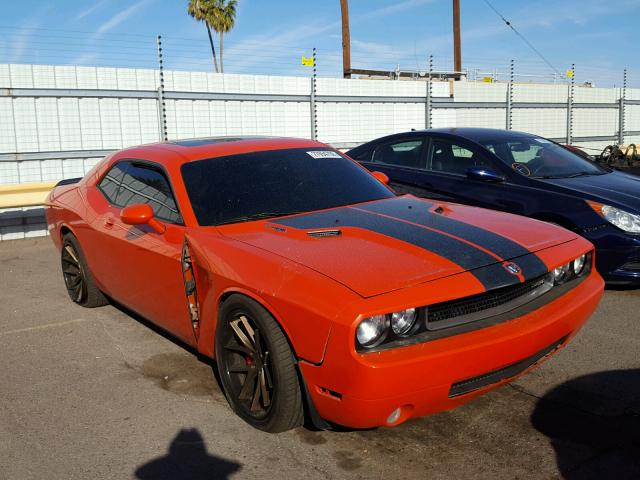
(120,17)
(91,9)
(20,40)
(392,9)
(274,47)
(248,53)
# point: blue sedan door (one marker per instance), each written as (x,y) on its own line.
(445,177)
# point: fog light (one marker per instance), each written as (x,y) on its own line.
(394,416)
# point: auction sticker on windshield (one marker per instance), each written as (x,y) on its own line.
(324,154)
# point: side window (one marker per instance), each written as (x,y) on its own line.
(405,153)
(449,157)
(110,183)
(145,184)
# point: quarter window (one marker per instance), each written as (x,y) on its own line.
(405,153)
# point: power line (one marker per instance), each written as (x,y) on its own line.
(522,37)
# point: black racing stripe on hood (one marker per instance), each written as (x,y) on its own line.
(417,211)
(459,252)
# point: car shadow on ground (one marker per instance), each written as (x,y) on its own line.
(187,458)
(593,423)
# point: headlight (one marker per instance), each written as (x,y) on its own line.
(621,219)
(372,331)
(560,273)
(578,267)
(629,222)
(403,321)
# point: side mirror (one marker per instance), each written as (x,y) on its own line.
(141,214)
(484,175)
(382,177)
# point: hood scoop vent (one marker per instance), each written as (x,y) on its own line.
(325,233)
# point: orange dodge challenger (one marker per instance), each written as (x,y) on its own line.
(317,290)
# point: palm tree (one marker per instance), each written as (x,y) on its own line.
(201,11)
(222,20)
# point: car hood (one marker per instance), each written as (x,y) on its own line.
(618,189)
(381,246)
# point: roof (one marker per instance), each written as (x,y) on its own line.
(182,151)
(478,134)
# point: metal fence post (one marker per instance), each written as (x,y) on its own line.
(510,97)
(621,109)
(312,104)
(570,106)
(162,113)
(427,112)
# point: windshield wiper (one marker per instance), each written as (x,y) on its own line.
(256,216)
(580,174)
(573,175)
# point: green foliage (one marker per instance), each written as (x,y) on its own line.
(222,15)
(219,15)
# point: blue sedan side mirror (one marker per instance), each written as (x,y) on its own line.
(484,175)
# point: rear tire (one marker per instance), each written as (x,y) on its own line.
(257,367)
(81,287)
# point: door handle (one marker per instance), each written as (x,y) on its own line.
(108,222)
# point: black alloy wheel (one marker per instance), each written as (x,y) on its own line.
(72,273)
(81,287)
(256,366)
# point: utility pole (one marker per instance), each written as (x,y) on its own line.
(457,54)
(346,39)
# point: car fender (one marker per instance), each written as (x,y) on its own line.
(305,303)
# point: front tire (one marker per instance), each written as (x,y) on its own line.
(257,367)
(81,287)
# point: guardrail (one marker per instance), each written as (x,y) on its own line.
(24,194)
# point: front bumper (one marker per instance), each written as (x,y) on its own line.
(618,255)
(620,266)
(362,390)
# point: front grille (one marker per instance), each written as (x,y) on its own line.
(495,376)
(482,305)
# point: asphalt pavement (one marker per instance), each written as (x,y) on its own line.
(101,394)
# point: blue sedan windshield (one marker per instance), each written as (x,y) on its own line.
(537,157)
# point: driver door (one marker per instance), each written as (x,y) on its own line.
(140,268)
(446,177)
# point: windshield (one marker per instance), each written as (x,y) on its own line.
(273,183)
(537,157)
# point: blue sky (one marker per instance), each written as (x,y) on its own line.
(269,37)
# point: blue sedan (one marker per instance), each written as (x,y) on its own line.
(523,174)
